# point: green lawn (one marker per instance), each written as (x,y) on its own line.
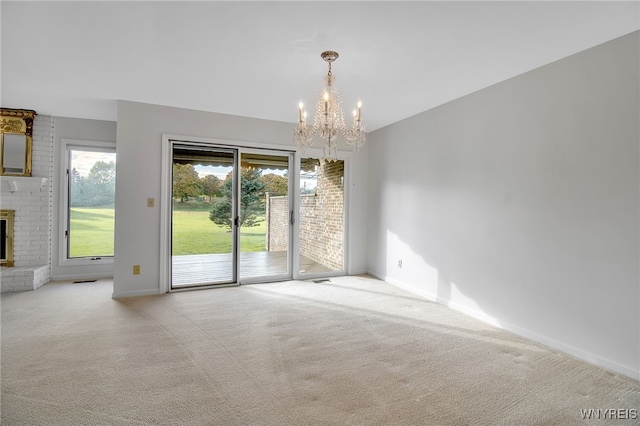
(91,231)
(193,232)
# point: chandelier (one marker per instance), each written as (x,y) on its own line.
(328,120)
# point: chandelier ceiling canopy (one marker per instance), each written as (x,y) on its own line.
(328,120)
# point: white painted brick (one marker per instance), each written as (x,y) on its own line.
(24,278)
(14,204)
(33,215)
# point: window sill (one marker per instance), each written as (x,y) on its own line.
(86,261)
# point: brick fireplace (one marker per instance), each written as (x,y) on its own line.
(32,216)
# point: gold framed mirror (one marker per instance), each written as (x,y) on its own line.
(16,141)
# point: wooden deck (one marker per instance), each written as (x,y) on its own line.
(202,269)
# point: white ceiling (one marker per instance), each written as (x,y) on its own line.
(259,59)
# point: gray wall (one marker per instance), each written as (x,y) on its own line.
(519,204)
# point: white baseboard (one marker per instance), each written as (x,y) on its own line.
(551,343)
(76,277)
(151,292)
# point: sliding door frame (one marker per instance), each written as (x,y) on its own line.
(233,280)
(318,154)
(290,154)
(166,185)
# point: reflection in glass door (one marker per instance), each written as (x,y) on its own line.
(321,224)
(203,228)
(265,216)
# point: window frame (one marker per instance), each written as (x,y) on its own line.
(63,247)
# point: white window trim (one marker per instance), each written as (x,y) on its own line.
(67,144)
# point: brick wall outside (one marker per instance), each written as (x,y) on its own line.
(330,214)
(310,229)
(277,218)
(33,216)
(321,219)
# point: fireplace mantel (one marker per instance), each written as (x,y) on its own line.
(21,183)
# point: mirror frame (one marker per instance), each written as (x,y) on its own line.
(20,122)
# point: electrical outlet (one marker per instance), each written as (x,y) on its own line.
(136,269)
(150,202)
(399,263)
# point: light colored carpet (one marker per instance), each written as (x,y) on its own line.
(355,351)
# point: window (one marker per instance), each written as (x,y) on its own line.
(90,201)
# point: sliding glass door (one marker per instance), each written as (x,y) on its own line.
(322,212)
(231,216)
(203,229)
(265,216)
